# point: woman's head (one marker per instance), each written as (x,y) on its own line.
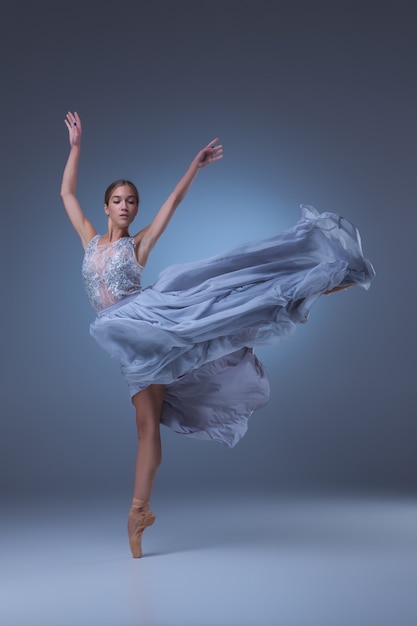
(121,202)
(120,183)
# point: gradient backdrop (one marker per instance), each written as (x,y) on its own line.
(315,102)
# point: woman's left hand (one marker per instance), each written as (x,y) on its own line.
(209,154)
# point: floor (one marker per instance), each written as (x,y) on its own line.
(219,562)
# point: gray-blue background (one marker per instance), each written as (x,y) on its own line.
(315,103)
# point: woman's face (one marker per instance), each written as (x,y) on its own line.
(122,207)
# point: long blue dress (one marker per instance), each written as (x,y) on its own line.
(195,329)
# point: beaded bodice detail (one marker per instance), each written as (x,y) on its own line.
(110,271)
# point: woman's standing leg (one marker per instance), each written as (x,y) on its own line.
(148,406)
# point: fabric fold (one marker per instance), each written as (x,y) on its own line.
(195,329)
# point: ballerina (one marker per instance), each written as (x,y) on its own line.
(185,345)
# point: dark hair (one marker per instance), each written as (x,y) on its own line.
(120,183)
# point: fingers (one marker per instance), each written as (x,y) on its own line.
(73,124)
(216,153)
(212,142)
(213,152)
(217,150)
(73,119)
(209,154)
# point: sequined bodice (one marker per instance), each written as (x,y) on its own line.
(110,271)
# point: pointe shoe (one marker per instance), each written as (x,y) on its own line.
(140,516)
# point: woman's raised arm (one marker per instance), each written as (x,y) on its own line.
(147,238)
(82,225)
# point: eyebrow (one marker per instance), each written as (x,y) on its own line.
(130,196)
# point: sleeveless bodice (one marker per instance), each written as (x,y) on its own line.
(110,271)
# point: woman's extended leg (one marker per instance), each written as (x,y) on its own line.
(148,406)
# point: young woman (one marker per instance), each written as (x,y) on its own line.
(185,345)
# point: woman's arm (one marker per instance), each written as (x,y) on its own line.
(147,238)
(82,225)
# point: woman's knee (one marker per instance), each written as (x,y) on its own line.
(147,428)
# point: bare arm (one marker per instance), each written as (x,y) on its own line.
(148,237)
(82,225)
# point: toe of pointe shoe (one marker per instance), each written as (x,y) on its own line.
(135,547)
(135,535)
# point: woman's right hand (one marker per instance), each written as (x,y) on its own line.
(73,123)
(82,225)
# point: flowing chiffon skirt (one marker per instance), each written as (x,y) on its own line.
(194,330)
